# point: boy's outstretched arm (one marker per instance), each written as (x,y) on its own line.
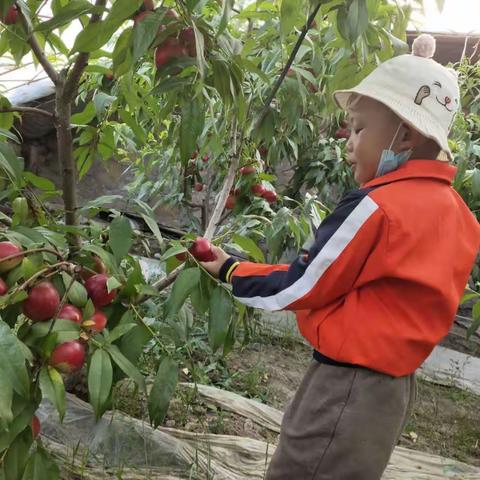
(342,244)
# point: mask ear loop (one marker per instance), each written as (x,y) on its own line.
(395,136)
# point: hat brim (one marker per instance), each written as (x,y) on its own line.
(422,120)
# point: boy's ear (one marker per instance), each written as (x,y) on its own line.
(409,138)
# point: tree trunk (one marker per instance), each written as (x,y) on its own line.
(65,155)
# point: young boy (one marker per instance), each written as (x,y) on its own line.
(380,286)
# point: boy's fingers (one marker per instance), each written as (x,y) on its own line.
(219,253)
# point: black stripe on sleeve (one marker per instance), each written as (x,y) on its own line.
(275,282)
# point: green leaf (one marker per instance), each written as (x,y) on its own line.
(12,361)
(106,257)
(191,126)
(200,47)
(102,102)
(122,10)
(57,44)
(135,278)
(119,331)
(173,251)
(11,136)
(100,202)
(120,237)
(144,33)
(74,9)
(51,383)
(66,330)
(39,182)
(469,296)
(357,19)
(13,464)
(100,375)
(89,310)
(229,342)
(6,395)
(221,305)
(22,416)
(186,281)
(129,120)
(112,284)
(200,296)
(85,117)
(77,295)
(10,163)
(290,15)
(122,54)
(162,391)
(20,210)
(153,226)
(132,344)
(40,466)
(476,320)
(226,12)
(249,246)
(126,366)
(6,119)
(95,35)
(476,183)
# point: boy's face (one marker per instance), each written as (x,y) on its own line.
(372,128)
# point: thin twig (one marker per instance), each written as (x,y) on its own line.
(36,111)
(192,205)
(280,79)
(28,252)
(150,330)
(27,282)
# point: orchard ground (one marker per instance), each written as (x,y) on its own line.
(445,420)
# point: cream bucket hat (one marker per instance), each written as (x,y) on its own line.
(419,90)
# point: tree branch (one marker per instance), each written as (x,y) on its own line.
(285,70)
(36,111)
(38,51)
(163,283)
(227,185)
(73,78)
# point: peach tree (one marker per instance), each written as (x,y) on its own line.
(204,100)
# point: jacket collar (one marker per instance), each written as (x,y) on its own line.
(433,169)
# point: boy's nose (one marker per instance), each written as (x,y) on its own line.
(349,145)
(448,100)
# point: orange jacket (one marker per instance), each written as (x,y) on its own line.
(382,282)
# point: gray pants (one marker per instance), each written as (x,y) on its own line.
(342,424)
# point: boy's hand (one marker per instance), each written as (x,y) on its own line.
(214,267)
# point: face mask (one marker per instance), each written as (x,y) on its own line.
(389,160)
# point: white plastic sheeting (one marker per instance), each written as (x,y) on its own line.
(121,444)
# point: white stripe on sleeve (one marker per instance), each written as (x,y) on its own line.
(337,243)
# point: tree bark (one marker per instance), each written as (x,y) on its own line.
(65,154)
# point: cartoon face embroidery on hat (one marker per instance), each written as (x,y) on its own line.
(445,101)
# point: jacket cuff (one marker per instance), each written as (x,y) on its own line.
(227,269)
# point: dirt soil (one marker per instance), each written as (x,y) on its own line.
(445,421)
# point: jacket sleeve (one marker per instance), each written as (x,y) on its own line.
(342,245)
